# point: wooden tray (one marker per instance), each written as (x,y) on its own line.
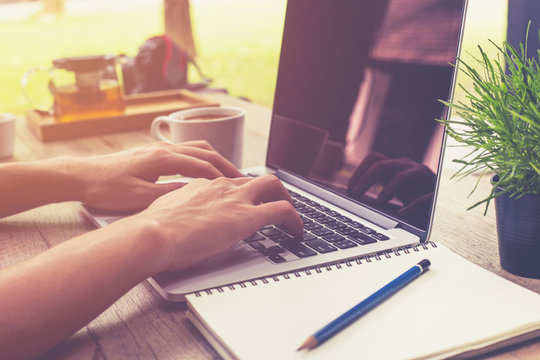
(140,111)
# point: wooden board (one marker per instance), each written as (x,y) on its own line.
(140,111)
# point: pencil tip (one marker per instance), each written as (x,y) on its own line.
(310,342)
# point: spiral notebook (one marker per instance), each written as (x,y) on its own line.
(456,309)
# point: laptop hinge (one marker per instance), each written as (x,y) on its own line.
(337,200)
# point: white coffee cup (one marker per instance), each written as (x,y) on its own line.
(222,127)
(7,135)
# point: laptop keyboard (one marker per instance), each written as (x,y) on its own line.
(325,230)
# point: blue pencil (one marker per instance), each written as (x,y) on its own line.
(363,307)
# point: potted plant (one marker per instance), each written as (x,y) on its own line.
(500,123)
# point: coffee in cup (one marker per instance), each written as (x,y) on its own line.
(222,127)
(205,117)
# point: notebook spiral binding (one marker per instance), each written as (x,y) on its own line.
(320,268)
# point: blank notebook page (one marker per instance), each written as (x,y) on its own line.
(453,307)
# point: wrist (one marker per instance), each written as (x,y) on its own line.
(147,243)
(61,178)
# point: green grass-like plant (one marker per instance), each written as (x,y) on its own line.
(500,121)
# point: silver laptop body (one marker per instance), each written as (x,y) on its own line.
(353,137)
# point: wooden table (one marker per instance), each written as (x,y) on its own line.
(141,325)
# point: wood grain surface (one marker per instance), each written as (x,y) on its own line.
(141,325)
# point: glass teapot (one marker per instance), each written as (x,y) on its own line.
(82,87)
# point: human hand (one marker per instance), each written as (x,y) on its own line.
(125,181)
(207,217)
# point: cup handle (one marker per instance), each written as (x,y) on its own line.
(155,128)
(24,84)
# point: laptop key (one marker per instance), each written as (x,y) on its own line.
(312,226)
(297,248)
(256,245)
(279,237)
(307,236)
(333,238)
(271,231)
(293,194)
(255,237)
(367,230)
(283,228)
(316,215)
(362,238)
(347,231)
(322,232)
(325,220)
(305,219)
(276,258)
(306,210)
(380,236)
(297,204)
(321,246)
(345,244)
(310,202)
(331,223)
(336,225)
(332,213)
(321,208)
(272,250)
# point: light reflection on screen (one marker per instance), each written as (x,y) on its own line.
(357,98)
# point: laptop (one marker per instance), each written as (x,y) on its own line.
(353,137)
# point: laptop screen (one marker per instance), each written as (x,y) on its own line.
(357,98)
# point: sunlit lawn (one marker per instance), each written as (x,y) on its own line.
(238,42)
(35,42)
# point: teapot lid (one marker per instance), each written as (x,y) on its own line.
(84,63)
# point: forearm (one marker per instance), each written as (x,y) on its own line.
(47,298)
(26,185)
